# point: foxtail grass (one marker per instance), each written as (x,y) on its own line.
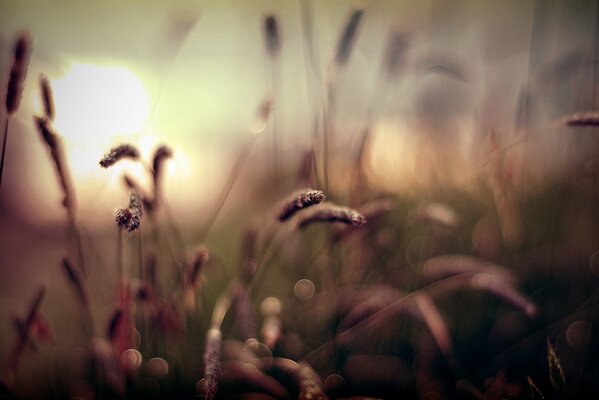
(14,91)
(556,373)
(212,362)
(328,212)
(47,98)
(345,45)
(161,154)
(581,120)
(17,352)
(118,153)
(273,42)
(129,218)
(298,200)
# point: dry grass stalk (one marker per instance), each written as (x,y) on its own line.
(18,349)
(105,370)
(52,140)
(433,319)
(348,37)
(535,392)
(307,169)
(435,214)
(18,72)
(272,36)
(264,112)
(556,373)
(118,153)
(247,259)
(310,384)
(376,208)
(115,325)
(200,260)
(242,304)
(160,156)
(489,282)
(586,119)
(271,331)
(494,284)
(212,362)
(47,98)
(298,200)
(77,282)
(14,89)
(372,211)
(359,305)
(134,186)
(441,266)
(505,201)
(328,212)
(129,218)
(395,52)
(152,272)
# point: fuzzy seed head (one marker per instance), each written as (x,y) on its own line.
(22,48)
(310,384)
(212,362)
(396,49)
(201,259)
(348,37)
(18,72)
(327,212)
(162,153)
(128,219)
(298,200)
(272,35)
(583,119)
(47,98)
(136,202)
(117,153)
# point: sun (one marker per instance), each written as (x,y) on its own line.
(99,100)
(96,105)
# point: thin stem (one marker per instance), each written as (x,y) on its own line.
(119,257)
(140,258)
(328,133)
(19,347)
(3,149)
(275,87)
(245,151)
(76,233)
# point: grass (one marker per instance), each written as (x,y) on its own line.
(486,291)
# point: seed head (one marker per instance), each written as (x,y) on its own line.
(297,200)
(117,153)
(348,37)
(272,35)
(583,119)
(328,212)
(18,72)
(128,219)
(47,98)
(212,365)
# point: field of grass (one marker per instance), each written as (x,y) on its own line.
(311,276)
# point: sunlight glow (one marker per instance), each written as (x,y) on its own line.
(99,100)
(96,104)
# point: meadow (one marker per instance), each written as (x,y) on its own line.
(412,259)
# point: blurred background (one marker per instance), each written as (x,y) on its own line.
(437,85)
